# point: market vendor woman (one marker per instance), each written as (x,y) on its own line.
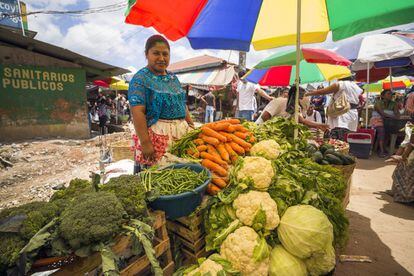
(158,104)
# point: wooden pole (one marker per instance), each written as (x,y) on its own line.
(366,102)
(298,30)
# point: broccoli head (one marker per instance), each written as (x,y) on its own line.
(129,190)
(91,218)
(76,187)
(38,214)
(11,244)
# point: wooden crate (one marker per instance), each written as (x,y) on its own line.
(189,231)
(136,265)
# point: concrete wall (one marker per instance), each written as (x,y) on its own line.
(29,113)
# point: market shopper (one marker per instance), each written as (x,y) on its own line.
(158,104)
(347,122)
(403,176)
(246,92)
(384,108)
(284,107)
(102,109)
(319,103)
(210,100)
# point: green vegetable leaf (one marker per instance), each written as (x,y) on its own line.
(259,221)
(222,235)
(109,266)
(261,251)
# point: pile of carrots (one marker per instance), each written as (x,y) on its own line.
(219,145)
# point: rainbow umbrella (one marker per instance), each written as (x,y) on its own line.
(309,73)
(397,83)
(311,55)
(235,24)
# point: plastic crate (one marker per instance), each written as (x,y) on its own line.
(360,144)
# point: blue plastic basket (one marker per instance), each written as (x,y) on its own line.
(180,205)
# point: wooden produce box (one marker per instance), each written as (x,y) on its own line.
(135,265)
(189,231)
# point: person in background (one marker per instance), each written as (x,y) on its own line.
(313,115)
(319,103)
(246,92)
(403,176)
(409,103)
(285,93)
(210,100)
(103,115)
(158,104)
(345,123)
(284,107)
(384,108)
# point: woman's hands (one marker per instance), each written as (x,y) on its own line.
(148,151)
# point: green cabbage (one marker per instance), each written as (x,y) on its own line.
(282,263)
(305,231)
(321,264)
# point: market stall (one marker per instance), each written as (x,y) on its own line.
(239,185)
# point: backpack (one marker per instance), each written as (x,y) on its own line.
(338,106)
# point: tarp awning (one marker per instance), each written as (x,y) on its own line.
(213,76)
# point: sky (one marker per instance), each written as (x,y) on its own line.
(105,36)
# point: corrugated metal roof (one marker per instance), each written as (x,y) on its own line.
(196,63)
(94,69)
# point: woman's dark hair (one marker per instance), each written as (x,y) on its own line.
(241,73)
(385,92)
(290,107)
(151,41)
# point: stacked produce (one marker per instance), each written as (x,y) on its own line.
(327,154)
(79,220)
(216,145)
(281,212)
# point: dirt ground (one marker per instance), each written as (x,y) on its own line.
(379,228)
(40,165)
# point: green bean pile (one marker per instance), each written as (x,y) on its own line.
(172,181)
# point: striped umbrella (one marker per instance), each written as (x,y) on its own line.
(309,73)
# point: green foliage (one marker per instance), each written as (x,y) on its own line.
(129,190)
(37,213)
(92,218)
(11,244)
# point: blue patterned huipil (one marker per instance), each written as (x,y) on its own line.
(161,95)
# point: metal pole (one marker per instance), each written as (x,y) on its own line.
(21,18)
(298,30)
(366,102)
(391,80)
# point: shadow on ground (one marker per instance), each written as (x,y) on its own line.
(364,241)
(395,209)
(374,163)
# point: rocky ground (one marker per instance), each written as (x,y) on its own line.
(30,170)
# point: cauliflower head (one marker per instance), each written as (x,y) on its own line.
(257,209)
(259,169)
(269,149)
(241,249)
(208,267)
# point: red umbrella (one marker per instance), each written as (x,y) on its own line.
(101,83)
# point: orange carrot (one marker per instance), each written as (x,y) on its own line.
(233,121)
(212,150)
(219,182)
(212,133)
(231,128)
(251,138)
(223,152)
(193,153)
(212,189)
(210,140)
(234,158)
(213,158)
(227,135)
(241,142)
(230,150)
(238,149)
(202,148)
(213,167)
(220,126)
(241,135)
(198,142)
(241,128)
